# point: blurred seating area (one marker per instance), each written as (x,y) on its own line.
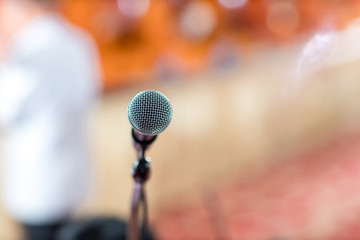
(144,40)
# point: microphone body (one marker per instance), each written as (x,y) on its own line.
(149,113)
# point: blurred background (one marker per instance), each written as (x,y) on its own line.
(265,138)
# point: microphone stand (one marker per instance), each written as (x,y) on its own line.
(140,173)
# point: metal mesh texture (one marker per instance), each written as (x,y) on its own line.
(150,112)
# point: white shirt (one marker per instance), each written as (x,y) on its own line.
(48,83)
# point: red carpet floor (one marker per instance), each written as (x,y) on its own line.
(311,196)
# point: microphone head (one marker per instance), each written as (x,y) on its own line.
(150,112)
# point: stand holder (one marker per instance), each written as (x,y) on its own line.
(140,172)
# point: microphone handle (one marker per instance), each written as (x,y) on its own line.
(143,139)
(142,142)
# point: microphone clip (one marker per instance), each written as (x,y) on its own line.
(141,170)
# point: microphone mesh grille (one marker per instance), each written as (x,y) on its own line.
(150,112)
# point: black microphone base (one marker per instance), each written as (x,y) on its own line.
(100,228)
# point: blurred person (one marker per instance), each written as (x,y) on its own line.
(224,54)
(48,81)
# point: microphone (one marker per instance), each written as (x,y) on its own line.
(150,113)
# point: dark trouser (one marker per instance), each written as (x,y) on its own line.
(41,232)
